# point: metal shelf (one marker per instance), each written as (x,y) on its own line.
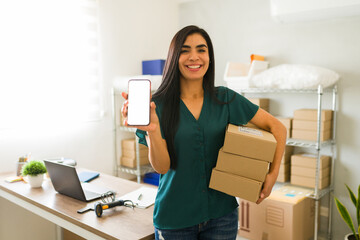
(308,144)
(125,129)
(318,145)
(143,169)
(274,90)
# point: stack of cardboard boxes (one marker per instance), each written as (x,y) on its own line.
(243,162)
(286,214)
(287,123)
(304,125)
(261,102)
(303,170)
(128,156)
(284,170)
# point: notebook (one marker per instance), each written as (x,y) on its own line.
(87,176)
(66,181)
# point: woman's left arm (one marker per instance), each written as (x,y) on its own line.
(266,121)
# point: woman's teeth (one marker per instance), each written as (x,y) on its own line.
(194,66)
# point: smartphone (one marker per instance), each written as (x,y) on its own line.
(139,102)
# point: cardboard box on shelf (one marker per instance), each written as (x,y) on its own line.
(249,142)
(310,172)
(286,121)
(143,152)
(130,144)
(131,161)
(242,166)
(287,154)
(261,102)
(311,125)
(310,135)
(284,177)
(284,168)
(309,160)
(235,185)
(286,214)
(311,114)
(309,181)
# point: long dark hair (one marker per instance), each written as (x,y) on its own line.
(169,91)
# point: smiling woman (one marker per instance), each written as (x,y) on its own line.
(50,62)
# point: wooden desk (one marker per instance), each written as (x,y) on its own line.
(115,223)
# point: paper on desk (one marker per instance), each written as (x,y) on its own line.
(142,198)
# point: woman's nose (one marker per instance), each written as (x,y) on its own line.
(193,56)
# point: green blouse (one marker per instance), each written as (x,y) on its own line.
(184,198)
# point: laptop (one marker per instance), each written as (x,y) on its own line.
(66,181)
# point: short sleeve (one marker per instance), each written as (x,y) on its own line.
(241,110)
(142,136)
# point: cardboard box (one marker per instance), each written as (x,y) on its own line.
(132,153)
(286,214)
(309,181)
(242,166)
(261,102)
(251,125)
(284,168)
(249,142)
(283,177)
(311,114)
(287,154)
(235,185)
(309,160)
(153,67)
(130,144)
(310,172)
(310,135)
(311,125)
(131,161)
(286,121)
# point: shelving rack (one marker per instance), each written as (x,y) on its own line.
(117,128)
(317,145)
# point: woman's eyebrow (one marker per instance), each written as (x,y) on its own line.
(198,46)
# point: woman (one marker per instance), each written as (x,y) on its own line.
(188,122)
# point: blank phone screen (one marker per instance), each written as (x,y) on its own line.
(139,102)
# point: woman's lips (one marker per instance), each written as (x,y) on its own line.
(193,67)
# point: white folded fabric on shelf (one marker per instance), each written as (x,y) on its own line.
(295,76)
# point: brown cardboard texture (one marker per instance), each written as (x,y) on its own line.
(242,166)
(309,160)
(285,214)
(132,153)
(283,177)
(310,135)
(284,168)
(286,121)
(235,185)
(261,102)
(287,154)
(310,172)
(311,125)
(309,182)
(131,162)
(131,145)
(249,142)
(312,114)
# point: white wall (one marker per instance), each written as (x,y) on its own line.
(131,31)
(240,28)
